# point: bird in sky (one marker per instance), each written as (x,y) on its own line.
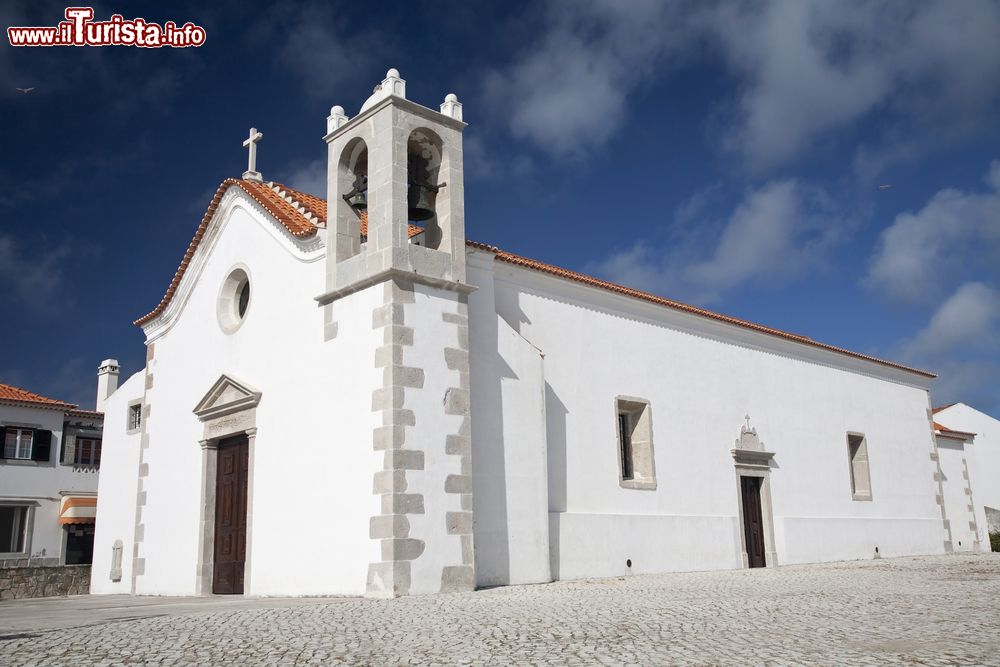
(887,186)
(25,90)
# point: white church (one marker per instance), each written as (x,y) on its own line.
(348,396)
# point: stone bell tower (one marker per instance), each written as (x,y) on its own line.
(396,246)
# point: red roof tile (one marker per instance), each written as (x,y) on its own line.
(292,215)
(942,407)
(944,430)
(13,394)
(289,214)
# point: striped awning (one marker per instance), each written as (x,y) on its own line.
(78,509)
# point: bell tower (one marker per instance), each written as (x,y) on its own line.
(396,280)
(397,163)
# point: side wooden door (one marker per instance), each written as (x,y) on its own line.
(753,522)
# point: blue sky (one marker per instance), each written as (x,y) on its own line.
(728,155)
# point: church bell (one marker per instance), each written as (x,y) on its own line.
(419,193)
(358,197)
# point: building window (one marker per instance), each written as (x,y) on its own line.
(80,544)
(234,300)
(625,443)
(13,527)
(857,451)
(636,466)
(17,443)
(134,417)
(88,452)
(244,299)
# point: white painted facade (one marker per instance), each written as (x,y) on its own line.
(42,485)
(982,453)
(427,418)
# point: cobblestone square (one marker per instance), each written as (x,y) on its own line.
(927,611)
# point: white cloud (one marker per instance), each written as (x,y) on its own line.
(968,320)
(780,230)
(314,43)
(959,343)
(31,278)
(309,178)
(923,255)
(568,94)
(804,71)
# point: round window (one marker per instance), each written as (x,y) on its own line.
(234,300)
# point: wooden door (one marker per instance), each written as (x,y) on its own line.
(753,522)
(231,515)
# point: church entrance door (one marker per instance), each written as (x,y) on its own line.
(753,522)
(231,515)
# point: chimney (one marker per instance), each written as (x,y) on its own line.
(107,382)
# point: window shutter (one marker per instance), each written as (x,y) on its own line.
(41,446)
(69,449)
(3,443)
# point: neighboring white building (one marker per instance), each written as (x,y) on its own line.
(975,443)
(49,462)
(371,406)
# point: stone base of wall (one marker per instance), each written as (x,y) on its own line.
(17,583)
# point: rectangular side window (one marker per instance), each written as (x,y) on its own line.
(857,451)
(636,467)
(625,444)
(134,417)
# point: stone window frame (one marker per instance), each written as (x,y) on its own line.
(641,449)
(862,446)
(29,525)
(227,303)
(134,408)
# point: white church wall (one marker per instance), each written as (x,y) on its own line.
(313,453)
(985,469)
(952,455)
(701,378)
(509,455)
(116,490)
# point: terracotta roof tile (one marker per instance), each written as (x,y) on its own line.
(942,407)
(944,430)
(305,213)
(13,394)
(268,196)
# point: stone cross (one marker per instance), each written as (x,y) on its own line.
(251,174)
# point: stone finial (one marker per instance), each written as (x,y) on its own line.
(393,85)
(451,106)
(336,118)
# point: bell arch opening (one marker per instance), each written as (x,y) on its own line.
(423,169)
(353,197)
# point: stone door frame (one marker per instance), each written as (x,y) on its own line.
(751,460)
(228,409)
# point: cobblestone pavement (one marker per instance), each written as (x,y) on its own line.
(929,611)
